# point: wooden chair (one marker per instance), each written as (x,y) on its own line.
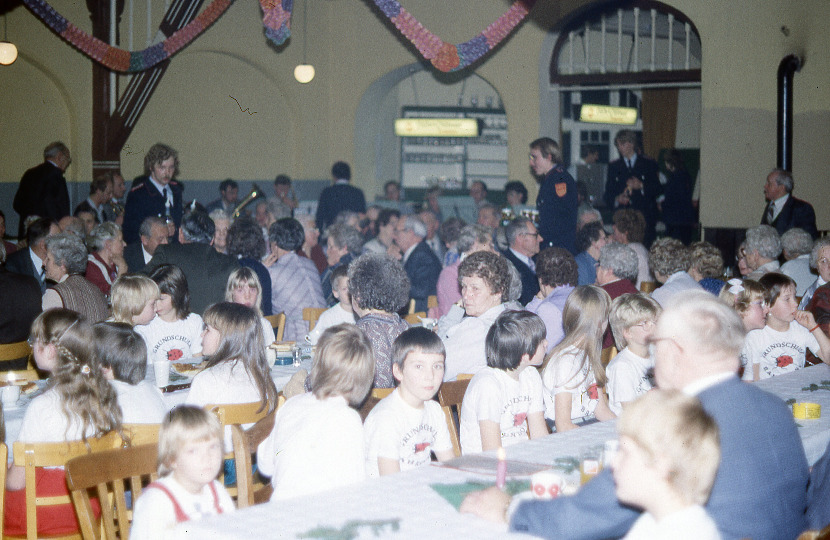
(380,393)
(411,309)
(311,314)
(372,399)
(415,318)
(245,443)
(278,324)
(15,351)
(4,456)
(138,434)
(823,534)
(239,413)
(607,355)
(648,287)
(450,396)
(125,469)
(30,456)
(432,301)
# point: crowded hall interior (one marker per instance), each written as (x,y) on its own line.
(552,268)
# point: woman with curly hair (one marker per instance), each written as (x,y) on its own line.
(379,288)
(78,404)
(484,279)
(557,272)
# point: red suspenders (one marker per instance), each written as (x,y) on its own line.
(180,515)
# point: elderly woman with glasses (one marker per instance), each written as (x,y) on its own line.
(65,263)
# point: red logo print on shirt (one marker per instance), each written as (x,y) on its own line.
(784,360)
(519,419)
(420,447)
(593,393)
(174,354)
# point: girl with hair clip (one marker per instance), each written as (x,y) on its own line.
(77,404)
(175,332)
(574,376)
(237,370)
(190,456)
(245,288)
(134,300)
(751,300)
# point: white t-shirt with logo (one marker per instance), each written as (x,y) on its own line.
(778,352)
(629,377)
(396,430)
(567,372)
(172,340)
(494,395)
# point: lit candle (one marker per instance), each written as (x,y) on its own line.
(501,468)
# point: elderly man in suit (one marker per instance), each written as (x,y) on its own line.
(523,239)
(785,212)
(42,191)
(420,263)
(206,269)
(30,261)
(697,342)
(20,299)
(152,233)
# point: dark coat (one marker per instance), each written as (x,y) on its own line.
(42,192)
(20,303)
(336,198)
(795,214)
(20,262)
(423,269)
(644,200)
(530,284)
(144,200)
(134,255)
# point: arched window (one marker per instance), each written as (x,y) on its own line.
(637,42)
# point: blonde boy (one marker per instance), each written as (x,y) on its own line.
(405,426)
(340,313)
(632,318)
(666,464)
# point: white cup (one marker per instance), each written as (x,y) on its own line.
(546,484)
(161,370)
(10,394)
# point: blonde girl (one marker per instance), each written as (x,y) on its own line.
(77,404)
(133,300)
(244,288)
(190,456)
(573,376)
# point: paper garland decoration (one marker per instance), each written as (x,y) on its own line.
(122,60)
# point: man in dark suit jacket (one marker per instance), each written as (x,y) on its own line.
(20,302)
(30,261)
(763,466)
(42,191)
(523,240)
(785,212)
(206,269)
(419,261)
(153,233)
(818,494)
(633,182)
(338,197)
(156,193)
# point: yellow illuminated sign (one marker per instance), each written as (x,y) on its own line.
(436,127)
(605,114)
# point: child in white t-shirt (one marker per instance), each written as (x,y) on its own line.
(134,300)
(781,346)
(174,333)
(751,300)
(244,288)
(317,440)
(630,373)
(122,354)
(407,425)
(574,375)
(666,464)
(340,313)
(190,456)
(503,404)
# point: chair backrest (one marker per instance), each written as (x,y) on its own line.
(648,286)
(450,396)
(238,413)
(4,456)
(432,301)
(111,474)
(380,393)
(10,352)
(138,434)
(411,309)
(278,324)
(607,355)
(415,318)
(30,456)
(245,443)
(311,314)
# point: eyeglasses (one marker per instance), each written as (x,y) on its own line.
(647,324)
(533,234)
(653,340)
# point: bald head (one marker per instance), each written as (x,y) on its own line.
(696,337)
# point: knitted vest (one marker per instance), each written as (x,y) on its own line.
(80,295)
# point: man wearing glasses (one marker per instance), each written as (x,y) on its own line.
(524,245)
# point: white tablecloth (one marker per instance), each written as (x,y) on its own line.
(14,416)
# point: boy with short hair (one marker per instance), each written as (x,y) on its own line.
(503,403)
(406,425)
(666,464)
(632,318)
(341,312)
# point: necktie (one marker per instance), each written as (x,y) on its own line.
(531,265)
(42,273)
(167,203)
(771,211)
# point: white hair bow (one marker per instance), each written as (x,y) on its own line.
(737,286)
